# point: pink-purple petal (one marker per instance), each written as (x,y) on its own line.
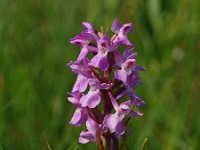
(80,84)
(115,26)
(92,126)
(79,117)
(73,100)
(135,113)
(126,28)
(93,49)
(114,102)
(115,124)
(121,75)
(88,26)
(105,86)
(91,100)
(85,137)
(136,100)
(83,54)
(100,61)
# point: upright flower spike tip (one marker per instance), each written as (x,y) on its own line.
(102,83)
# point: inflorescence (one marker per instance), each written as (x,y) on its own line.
(103,85)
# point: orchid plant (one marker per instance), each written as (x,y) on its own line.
(103,85)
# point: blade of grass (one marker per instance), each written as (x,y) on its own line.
(48,146)
(1,147)
(144,144)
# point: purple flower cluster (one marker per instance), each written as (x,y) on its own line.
(104,83)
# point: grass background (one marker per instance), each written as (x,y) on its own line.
(34,80)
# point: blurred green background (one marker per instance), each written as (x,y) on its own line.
(34,79)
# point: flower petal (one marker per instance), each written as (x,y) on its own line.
(129,54)
(88,26)
(136,100)
(129,65)
(115,26)
(73,100)
(122,94)
(121,75)
(105,86)
(114,102)
(92,99)
(80,84)
(135,113)
(79,117)
(118,58)
(92,48)
(104,43)
(100,61)
(85,137)
(126,28)
(80,67)
(122,39)
(115,124)
(92,126)
(83,54)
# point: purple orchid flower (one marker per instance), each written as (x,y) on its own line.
(127,54)
(126,70)
(88,28)
(115,121)
(93,97)
(100,60)
(80,114)
(122,32)
(83,41)
(84,72)
(90,134)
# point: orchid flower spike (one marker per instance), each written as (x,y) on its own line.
(103,80)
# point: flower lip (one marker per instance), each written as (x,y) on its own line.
(104,44)
(124,108)
(129,65)
(103,48)
(123,111)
